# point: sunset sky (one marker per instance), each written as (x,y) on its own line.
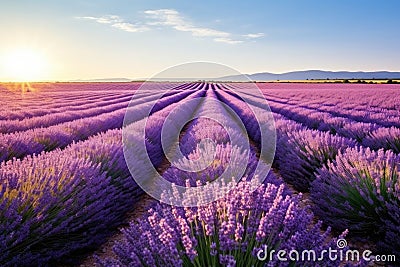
(63,40)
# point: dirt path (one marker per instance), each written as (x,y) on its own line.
(145,202)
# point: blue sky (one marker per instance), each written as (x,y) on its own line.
(97,39)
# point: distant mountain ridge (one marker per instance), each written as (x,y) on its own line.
(267,76)
(316,75)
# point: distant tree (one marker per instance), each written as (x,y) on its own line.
(389,81)
(346,81)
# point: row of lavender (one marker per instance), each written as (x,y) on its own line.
(368,134)
(65,201)
(12,126)
(65,97)
(50,98)
(333,109)
(34,141)
(353,111)
(82,110)
(23,111)
(227,232)
(352,187)
(376,98)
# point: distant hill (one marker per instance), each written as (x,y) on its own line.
(267,76)
(316,75)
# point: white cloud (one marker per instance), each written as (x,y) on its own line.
(254,35)
(172,18)
(227,40)
(118,23)
(128,27)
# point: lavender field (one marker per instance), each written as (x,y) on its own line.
(68,186)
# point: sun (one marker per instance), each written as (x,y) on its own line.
(25,65)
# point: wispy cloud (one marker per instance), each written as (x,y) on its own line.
(173,19)
(254,35)
(227,40)
(118,23)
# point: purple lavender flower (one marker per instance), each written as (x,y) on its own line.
(387,138)
(240,222)
(301,153)
(360,191)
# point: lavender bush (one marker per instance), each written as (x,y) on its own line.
(228,232)
(357,130)
(283,128)
(221,165)
(301,153)
(360,191)
(387,138)
(62,202)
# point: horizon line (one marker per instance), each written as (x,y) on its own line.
(124,79)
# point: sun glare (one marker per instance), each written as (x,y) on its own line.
(25,65)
